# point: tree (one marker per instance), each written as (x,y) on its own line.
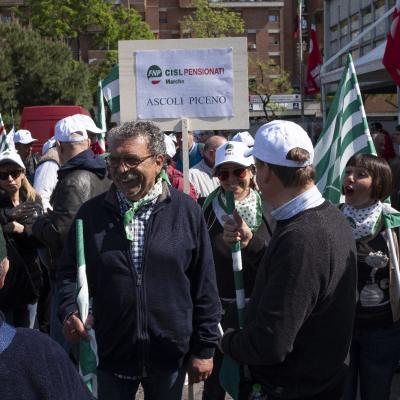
(38,72)
(70,19)
(212,21)
(270,79)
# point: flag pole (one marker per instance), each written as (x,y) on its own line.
(301,59)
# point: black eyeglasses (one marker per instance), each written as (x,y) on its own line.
(14,174)
(238,172)
(129,162)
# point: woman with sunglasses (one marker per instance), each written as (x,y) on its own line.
(19,207)
(375,347)
(236,174)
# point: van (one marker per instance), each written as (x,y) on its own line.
(41,120)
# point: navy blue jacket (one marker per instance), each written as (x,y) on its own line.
(154,320)
(33,367)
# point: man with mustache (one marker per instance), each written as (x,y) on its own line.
(82,176)
(150,273)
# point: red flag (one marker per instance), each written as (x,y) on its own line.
(313,83)
(2,127)
(297,22)
(391,58)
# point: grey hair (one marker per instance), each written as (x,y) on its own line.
(146,129)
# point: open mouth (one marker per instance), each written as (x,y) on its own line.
(348,190)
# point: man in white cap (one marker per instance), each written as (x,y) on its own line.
(300,316)
(82,176)
(23,142)
(92,130)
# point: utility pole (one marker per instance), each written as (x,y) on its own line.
(300,13)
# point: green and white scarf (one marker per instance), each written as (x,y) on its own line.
(249,209)
(129,215)
(365,222)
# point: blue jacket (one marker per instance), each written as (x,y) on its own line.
(154,320)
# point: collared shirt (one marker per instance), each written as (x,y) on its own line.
(139,224)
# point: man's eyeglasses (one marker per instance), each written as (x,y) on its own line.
(238,173)
(129,162)
(14,174)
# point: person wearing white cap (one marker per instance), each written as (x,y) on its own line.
(236,174)
(92,130)
(201,175)
(244,137)
(300,316)
(82,175)
(23,142)
(20,205)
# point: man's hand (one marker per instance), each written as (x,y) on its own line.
(237,230)
(199,369)
(74,330)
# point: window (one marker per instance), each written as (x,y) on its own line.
(274,39)
(273,17)
(163,17)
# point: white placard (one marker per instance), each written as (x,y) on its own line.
(184,83)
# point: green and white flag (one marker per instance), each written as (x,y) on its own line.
(101,116)
(110,86)
(88,359)
(3,136)
(346,133)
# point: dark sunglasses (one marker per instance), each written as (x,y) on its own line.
(238,173)
(14,174)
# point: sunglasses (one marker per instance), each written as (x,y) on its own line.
(238,173)
(14,174)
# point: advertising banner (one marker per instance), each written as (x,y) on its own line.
(184,83)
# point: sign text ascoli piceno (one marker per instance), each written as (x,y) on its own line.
(175,76)
(180,101)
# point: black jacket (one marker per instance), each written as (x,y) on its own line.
(80,179)
(154,319)
(300,316)
(251,255)
(24,277)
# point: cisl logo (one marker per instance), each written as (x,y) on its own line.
(154,74)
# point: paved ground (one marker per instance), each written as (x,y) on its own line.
(395,395)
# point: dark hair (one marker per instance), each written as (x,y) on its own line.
(397,128)
(380,172)
(146,129)
(294,177)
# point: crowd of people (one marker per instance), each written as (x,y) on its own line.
(320,281)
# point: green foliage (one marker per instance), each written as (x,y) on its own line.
(270,80)
(212,21)
(99,69)
(38,72)
(70,19)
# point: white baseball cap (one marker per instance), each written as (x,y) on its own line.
(244,137)
(233,152)
(23,136)
(48,145)
(87,123)
(70,129)
(275,139)
(11,156)
(169,145)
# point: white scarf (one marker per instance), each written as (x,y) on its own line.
(365,222)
